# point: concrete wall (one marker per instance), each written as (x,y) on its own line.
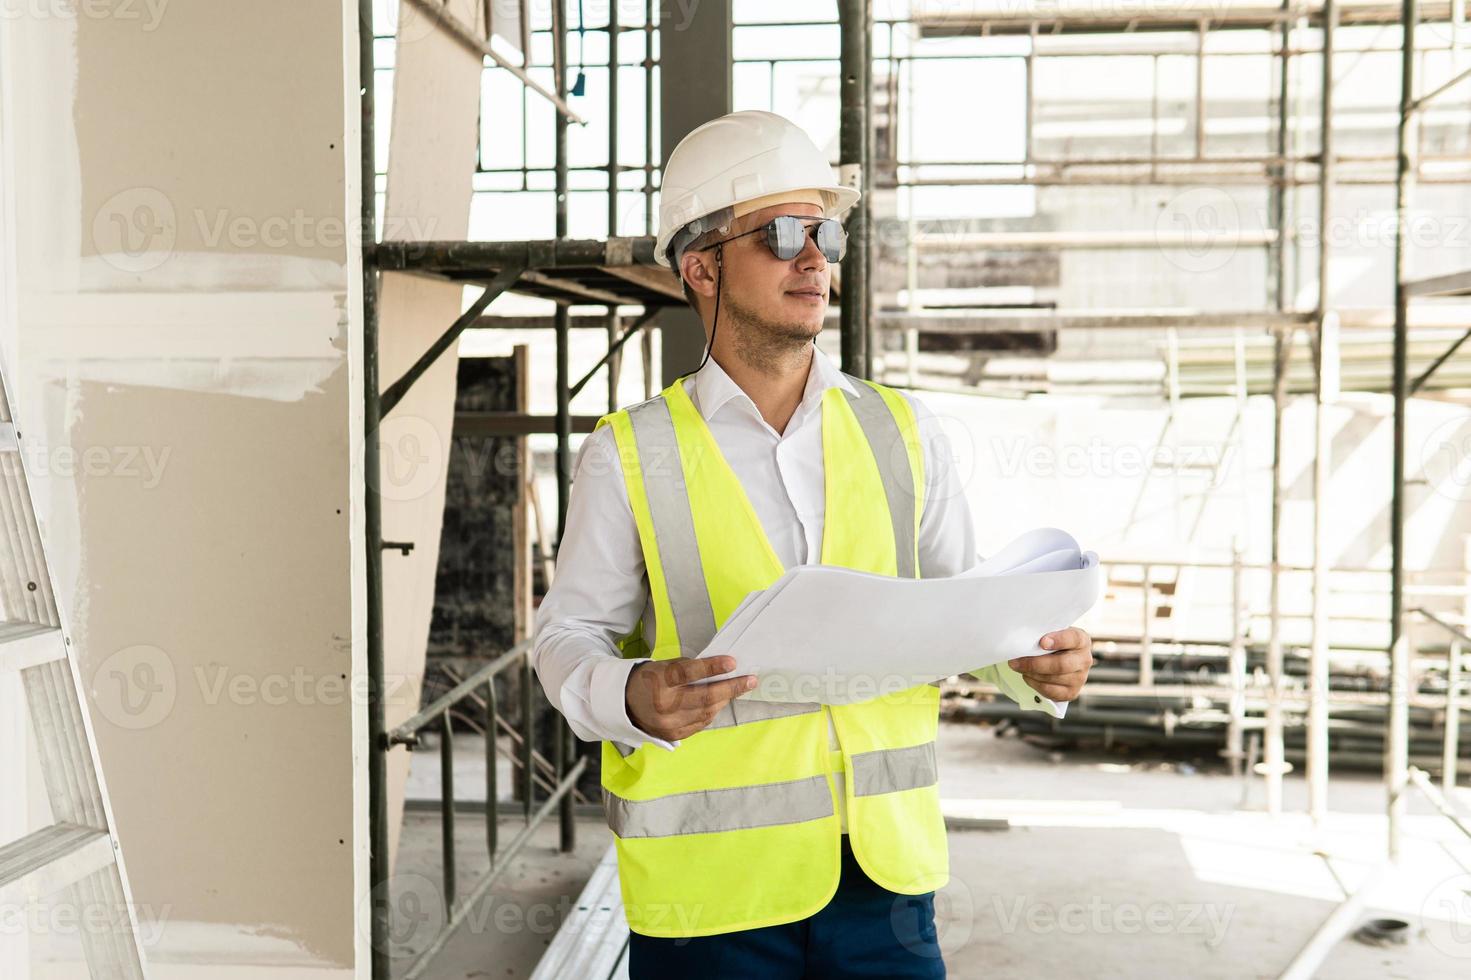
(182,311)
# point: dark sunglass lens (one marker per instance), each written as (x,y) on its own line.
(786,237)
(832,239)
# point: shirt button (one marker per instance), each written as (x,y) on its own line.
(1036,699)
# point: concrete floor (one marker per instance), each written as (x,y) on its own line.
(1109,867)
(505,934)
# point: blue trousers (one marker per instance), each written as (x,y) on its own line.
(864,931)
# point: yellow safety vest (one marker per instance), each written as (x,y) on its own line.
(737,828)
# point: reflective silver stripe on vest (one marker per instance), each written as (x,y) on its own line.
(743,711)
(712,811)
(674,524)
(892,770)
(889,452)
(679,553)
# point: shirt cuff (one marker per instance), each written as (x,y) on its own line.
(607,692)
(1014,686)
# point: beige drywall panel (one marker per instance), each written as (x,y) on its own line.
(185,323)
(431,160)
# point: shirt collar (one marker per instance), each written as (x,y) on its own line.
(713,387)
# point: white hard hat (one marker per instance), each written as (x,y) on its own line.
(737,159)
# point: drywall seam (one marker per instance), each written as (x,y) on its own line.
(356,488)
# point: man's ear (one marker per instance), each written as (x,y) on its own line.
(698,269)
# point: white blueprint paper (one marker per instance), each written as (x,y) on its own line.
(837,636)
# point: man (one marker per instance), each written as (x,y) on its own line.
(758,839)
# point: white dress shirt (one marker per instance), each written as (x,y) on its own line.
(601,587)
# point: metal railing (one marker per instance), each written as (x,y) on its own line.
(1237,694)
(438,715)
(1420,779)
(1451,749)
(378,401)
(1306,964)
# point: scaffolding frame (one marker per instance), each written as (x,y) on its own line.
(618,272)
(1399,775)
(1278,170)
(614,272)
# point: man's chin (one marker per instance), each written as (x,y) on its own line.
(807,326)
(802,330)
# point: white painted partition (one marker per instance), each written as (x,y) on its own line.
(180,298)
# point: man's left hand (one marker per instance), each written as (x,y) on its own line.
(1060,673)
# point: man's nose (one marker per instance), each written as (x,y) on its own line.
(811,257)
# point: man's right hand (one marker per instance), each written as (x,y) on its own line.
(662,702)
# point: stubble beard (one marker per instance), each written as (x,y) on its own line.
(766,345)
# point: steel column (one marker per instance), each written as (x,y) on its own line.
(870,244)
(853,19)
(1274,757)
(695,86)
(378,912)
(646,338)
(614,34)
(1450,750)
(1236,668)
(563,746)
(1397,740)
(492,777)
(447,805)
(1318,662)
(1274,760)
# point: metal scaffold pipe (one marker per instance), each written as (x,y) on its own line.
(1318,658)
(378,910)
(854,17)
(1397,742)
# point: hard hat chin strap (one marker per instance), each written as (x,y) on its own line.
(715,319)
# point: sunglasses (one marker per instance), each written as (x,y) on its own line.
(786,237)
